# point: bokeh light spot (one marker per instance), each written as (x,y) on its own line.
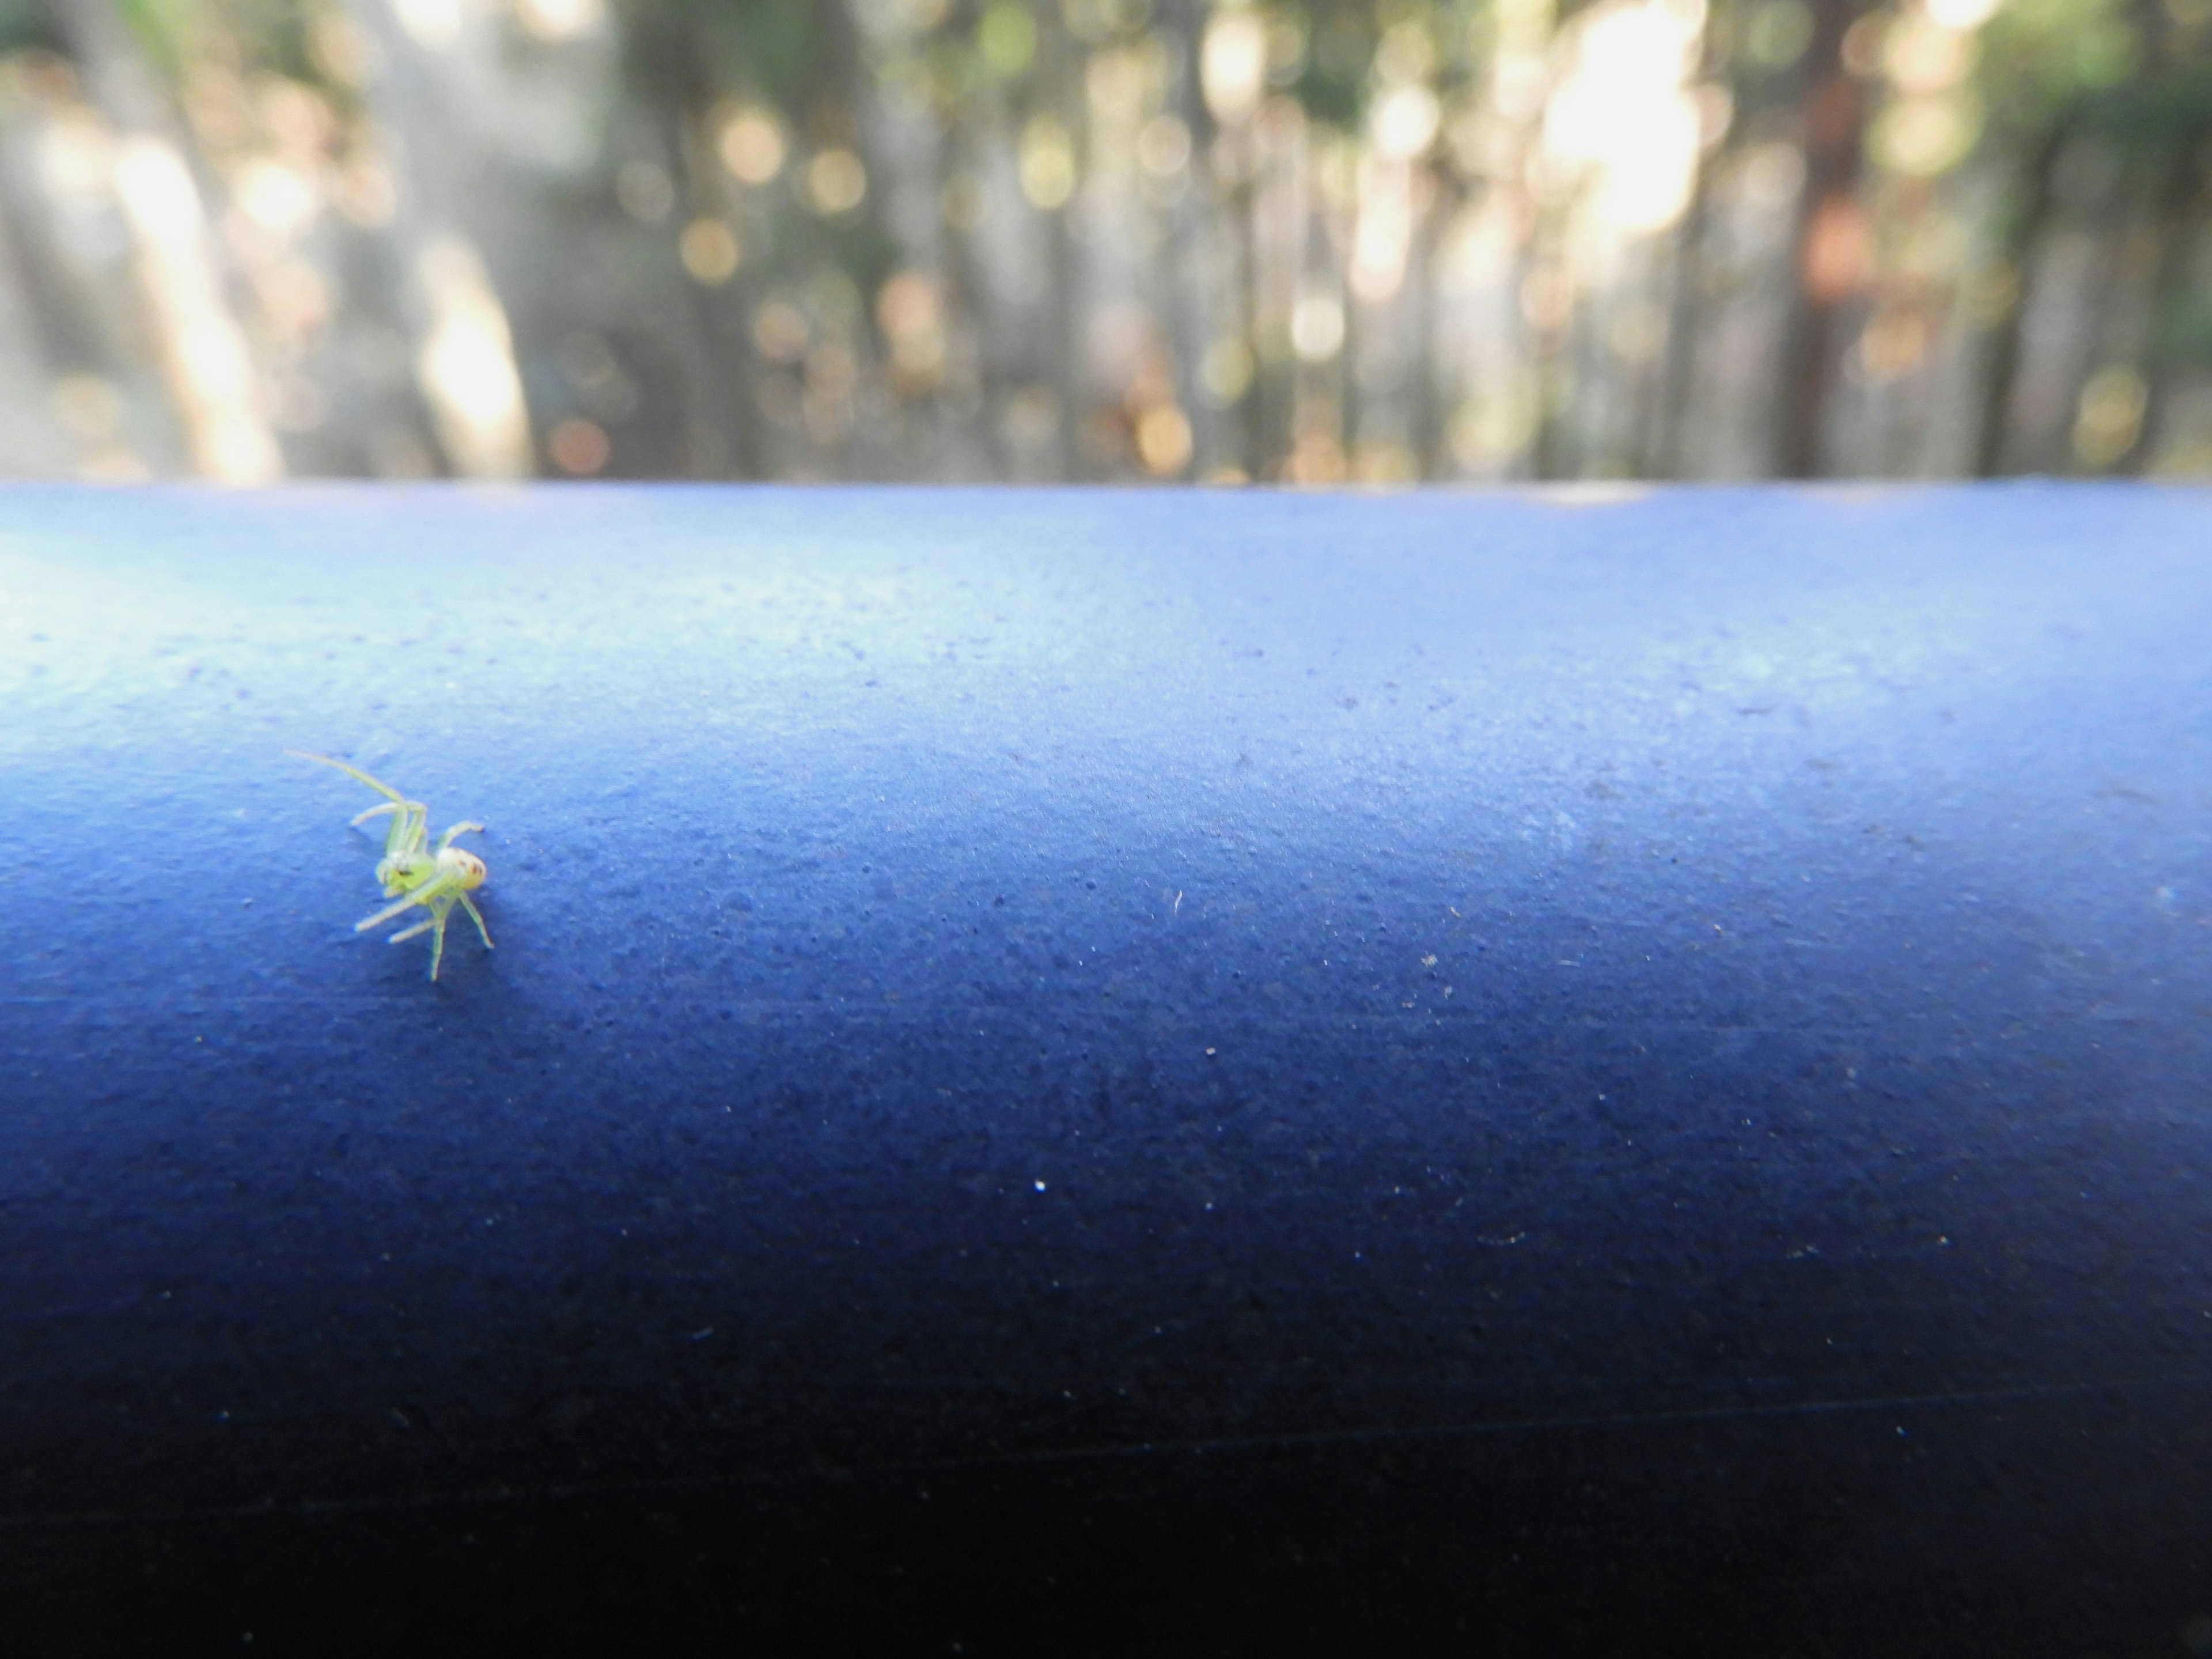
(579,448)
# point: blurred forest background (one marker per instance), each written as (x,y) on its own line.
(1311,240)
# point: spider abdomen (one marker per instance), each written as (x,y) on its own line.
(466,866)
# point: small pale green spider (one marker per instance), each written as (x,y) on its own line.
(436,878)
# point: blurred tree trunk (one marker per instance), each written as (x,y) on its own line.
(1059,80)
(33,444)
(113,66)
(2030,216)
(2180,220)
(1831,235)
(450,207)
(196,339)
(967,299)
(1662,451)
(1249,410)
(1550,348)
(1689,249)
(674,64)
(1190,319)
(845,84)
(1426,434)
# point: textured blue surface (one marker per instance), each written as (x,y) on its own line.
(1017,975)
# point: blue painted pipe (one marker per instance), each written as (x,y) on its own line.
(1468,1060)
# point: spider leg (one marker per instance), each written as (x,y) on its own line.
(435,926)
(436,888)
(446,840)
(384,789)
(409,821)
(477,917)
(409,829)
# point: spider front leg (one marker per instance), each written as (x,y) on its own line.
(409,824)
(411,819)
(427,894)
(440,908)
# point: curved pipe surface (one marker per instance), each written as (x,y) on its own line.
(1537,1052)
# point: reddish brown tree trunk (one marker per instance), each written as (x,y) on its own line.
(1833,238)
